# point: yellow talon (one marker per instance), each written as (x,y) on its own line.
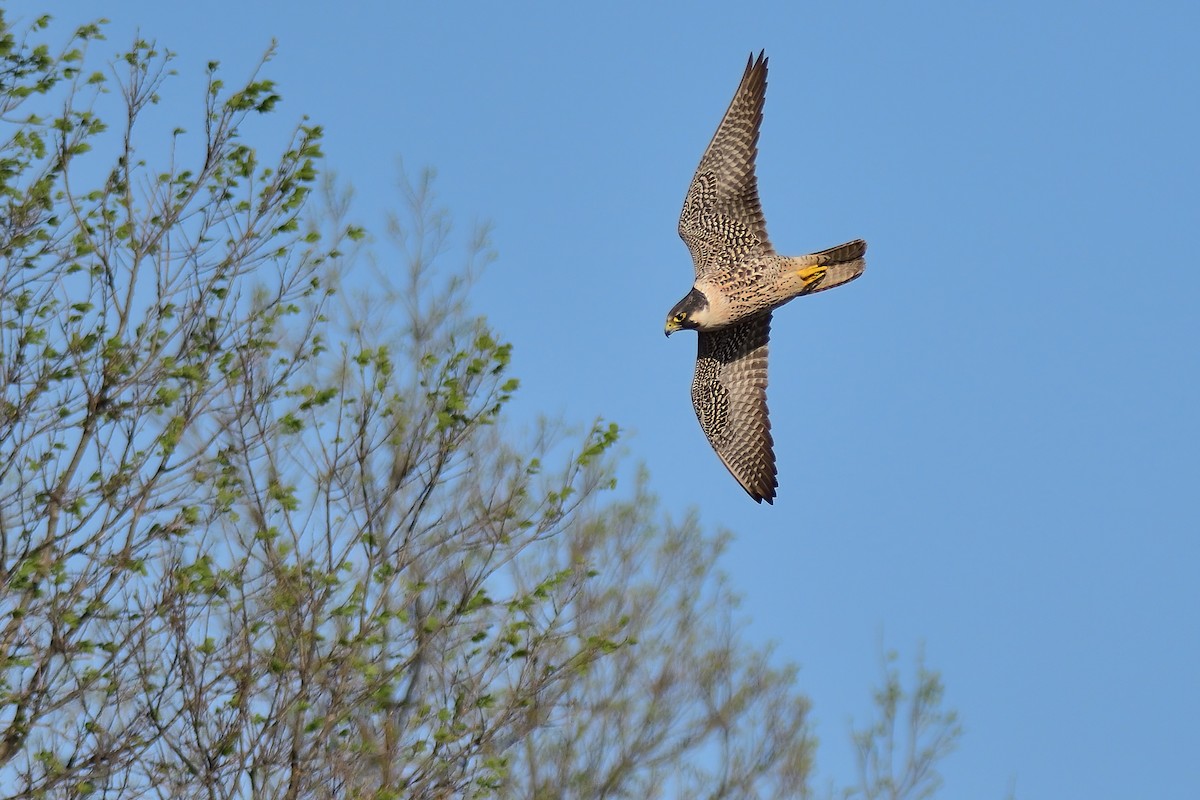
(812,276)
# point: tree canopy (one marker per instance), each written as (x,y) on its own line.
(264,531)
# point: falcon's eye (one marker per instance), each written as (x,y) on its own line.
(681,316)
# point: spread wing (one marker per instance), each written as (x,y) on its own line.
(722,221)
(729,392)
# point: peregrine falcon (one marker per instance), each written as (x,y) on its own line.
(740,280)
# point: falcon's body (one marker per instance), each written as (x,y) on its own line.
(740,280)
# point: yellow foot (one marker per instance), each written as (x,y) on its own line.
(812,277)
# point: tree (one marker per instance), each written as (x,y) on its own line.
(264,533)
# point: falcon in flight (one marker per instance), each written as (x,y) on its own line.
(740,280)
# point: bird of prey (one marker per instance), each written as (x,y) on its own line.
(740,280)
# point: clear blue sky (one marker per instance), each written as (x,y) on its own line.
(988,444)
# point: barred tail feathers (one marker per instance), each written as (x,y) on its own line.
(843,264)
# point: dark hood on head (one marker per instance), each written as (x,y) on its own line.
(694,301)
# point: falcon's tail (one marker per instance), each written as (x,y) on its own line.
(843,263)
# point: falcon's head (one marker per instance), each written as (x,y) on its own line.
(687,313)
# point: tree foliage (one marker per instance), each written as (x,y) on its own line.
(262,538)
